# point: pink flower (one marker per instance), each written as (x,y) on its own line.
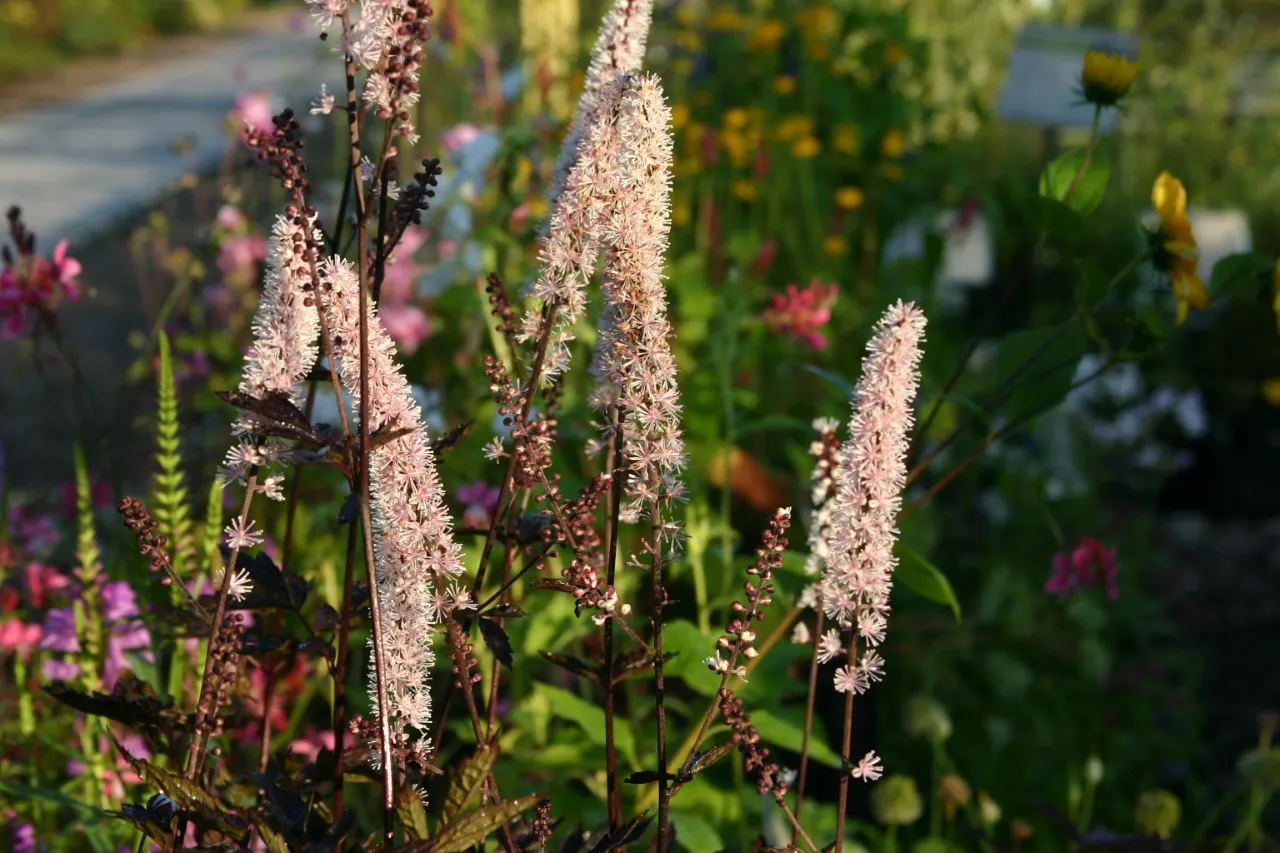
(446,249)
(20,637)
(100,495)
(459,136)
(310,744)
(65,271)
(231,217)
(800,314)
(407,326)
(480,501)
(41,581)
(1089,561)
(239,255)
(399,279)
(253,111)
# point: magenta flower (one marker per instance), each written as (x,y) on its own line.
(32,285)
(1089,562)
(20,637)
(407,325)
(65,271)
(479,501)
(801,314)
(23,838)
(253,112)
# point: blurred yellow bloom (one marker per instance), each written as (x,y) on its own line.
(766,37)
(845,138)
(681,212)
(684,14)
(819,22)
(743,190)
(682,66)
(894,144)
(893,53)
(537,207)
(693,140)
(725,19)
(1106,77)
(524,170)
(849,198)
(793,127)
(806,147)
(679,114)
(817,52)
(1271,391)
(739,146)
(736,118)
(784,85)
(1176,254)
(893,171)
(689,40)
(835,246)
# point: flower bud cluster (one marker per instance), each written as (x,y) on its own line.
(739,637)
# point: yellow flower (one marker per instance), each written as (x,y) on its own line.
(725,19)
(1106,77)
(766,37)
(835,245)
(537,207)
(819,22)
(684,14)
(681,212)
(892,171)
(784,85)
(845,138)
(679,114)
(682,66)
(1271,391)
(849,198)
(893,53)
(806,147)
(1175,253)
(817,52)
(894,144)
(743,190)
(689,40)
(736,118)
(794,127)
(524,171)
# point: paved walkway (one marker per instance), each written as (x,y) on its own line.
(78,164)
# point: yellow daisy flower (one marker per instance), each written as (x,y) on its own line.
(806,147)
(1107,77)
(1175,253)
(744,190)
(784,85)
(849,198)
(835,246)
(894,144)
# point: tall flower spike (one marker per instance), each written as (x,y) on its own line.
(619,49)
(869,482)
(415,552)
(285,330)
(634,351)
(569,252)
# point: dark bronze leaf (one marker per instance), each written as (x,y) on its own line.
(703,760)
(274,414)
(554,584)
(451,439)
(497,641)
(646,777)
(572,664)
(385,436)
(131,702)
(623,835)
(504,611)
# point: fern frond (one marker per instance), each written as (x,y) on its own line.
(169,490)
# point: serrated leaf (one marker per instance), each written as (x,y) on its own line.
(1075,182)
(924,579)
(157,834)
(474,827)
(624,835)
(1240,274)
(413,817)
(707,758)
(188,795)
(570,663)
(789,734)
(467,778)
(132,702)
(497,641)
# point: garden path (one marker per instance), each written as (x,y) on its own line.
(85,153)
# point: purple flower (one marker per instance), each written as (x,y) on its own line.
(23,838)
(60,670)
(480,501)
(127,636)
(60,631)
(118,601)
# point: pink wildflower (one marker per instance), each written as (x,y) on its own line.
(20,637)
(801,314)
(459,136)
(32,286)
(253,111)
(239,255)
(871,475)
(407,325)
(1089,561)
(400,277)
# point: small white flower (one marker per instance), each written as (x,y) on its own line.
(271,487)
(493,450)
(323,103)
(868,769)
(830,646)
(800,634)
(240,585)
(242,535)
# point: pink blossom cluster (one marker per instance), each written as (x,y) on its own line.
(415,549)
(1088,563)
(402,316)
(31,286)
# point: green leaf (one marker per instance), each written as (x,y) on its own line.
(694,833)
(789,734)
(473,828)
(1240,274)
(275,841)
(589,718)
(1051,216)
(1036,368)
(694,648)
(1082,194)
(413,817)
(468,777)
(924,579)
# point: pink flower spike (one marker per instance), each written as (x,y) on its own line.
(801,314)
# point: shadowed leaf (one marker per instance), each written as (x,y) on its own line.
(474,827)
(274,841)
(623,835)
(274,414)
(497,641)
(132,702)
(467,778)
(157,834)
(411,813)
(570,663)
(451,438)
(705,759)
